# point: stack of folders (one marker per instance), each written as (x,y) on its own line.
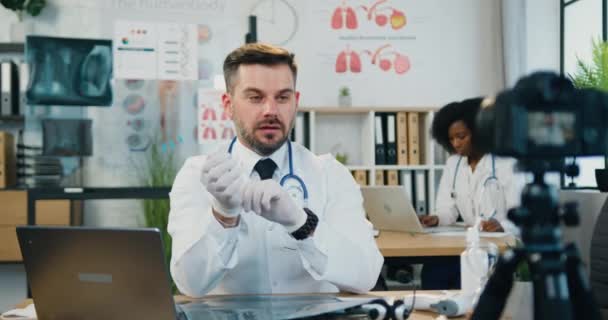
(13,83)
(397,138)
(360,177)
(7,160)
(34,170)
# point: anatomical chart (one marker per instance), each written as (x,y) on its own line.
(381,14)
(214,125)
(383,45)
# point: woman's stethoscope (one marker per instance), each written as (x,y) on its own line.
(297,191)
(491,189)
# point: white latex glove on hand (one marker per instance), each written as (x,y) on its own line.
(225,180)
(269,200)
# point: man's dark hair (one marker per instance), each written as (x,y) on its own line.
(257,53)
(465,111)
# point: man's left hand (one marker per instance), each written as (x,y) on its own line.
(269,200)
(491,225)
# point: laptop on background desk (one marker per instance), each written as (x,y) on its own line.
(389,208)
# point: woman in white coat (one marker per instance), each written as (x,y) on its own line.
(475,186)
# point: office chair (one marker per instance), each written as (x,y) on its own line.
(599,261)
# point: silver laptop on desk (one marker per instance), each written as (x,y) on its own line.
(94,273)
(389,208)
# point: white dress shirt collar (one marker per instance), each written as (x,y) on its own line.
(248,158)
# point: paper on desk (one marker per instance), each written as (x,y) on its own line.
(28,312)
(464,233)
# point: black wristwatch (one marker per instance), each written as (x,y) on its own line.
(308,227)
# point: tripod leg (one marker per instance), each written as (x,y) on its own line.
(493,298)
(583,300)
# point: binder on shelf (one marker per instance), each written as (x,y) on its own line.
(360,177)
(24,78)
(9,93)
(8,166)
(413,138)
(402,153)
(379,139)
(421,192)
(294,132)
(392,177)
(379,181)
(408,185)
(390,138)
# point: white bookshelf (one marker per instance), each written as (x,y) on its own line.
(350,131)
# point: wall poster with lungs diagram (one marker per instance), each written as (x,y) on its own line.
(214,125)
(384,45)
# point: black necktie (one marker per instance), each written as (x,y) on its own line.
(265,168)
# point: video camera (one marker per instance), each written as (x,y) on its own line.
(542,120)
(544,116)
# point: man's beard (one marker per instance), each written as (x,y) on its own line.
(263,149)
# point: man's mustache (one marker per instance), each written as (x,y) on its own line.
(273,122)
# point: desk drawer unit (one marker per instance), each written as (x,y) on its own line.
(13,212)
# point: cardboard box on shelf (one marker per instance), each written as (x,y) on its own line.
(53,212)
(9,247)
(14,208)
(13,212)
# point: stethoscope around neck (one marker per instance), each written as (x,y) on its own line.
(492,179)
(289,176)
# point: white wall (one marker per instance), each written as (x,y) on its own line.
(542,40)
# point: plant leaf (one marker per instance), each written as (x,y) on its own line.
(34,7)
(595,74)
(15,5)
(158,169)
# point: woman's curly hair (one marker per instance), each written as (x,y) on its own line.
(465,111)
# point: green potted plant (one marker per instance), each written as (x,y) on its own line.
(595,75)
(18,30)
(158,169)
(344,98)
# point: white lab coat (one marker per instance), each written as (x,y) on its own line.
(469,186)
(260,256)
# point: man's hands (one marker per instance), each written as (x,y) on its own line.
(272,202)
(233,191)
(429,221)
(224,180)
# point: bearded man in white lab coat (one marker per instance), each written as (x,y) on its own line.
(237,230)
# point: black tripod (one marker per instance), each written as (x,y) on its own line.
(561,289)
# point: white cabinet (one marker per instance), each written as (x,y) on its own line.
(351,132)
